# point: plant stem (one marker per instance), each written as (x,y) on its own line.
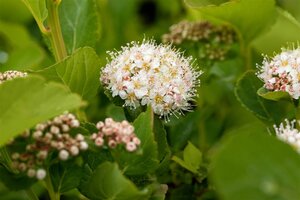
(55,34)
(31,194)
(53,195)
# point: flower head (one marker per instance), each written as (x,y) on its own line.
(289,134)
(282,72)
(150,74)
(111,134)
(50,137)
(9,75)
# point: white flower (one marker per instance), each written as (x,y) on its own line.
(9,75)
(289,134)
(150,74)
(40,174)
(282,72)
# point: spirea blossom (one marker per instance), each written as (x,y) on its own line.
(50,137)
(9,75)
(282,72)
(111,134)
(289,134)
(150,74)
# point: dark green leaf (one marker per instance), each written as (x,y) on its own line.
(65,176)
(80,72)
(252,164)
(267,110)
(108,183)
(28,101)
(80,23)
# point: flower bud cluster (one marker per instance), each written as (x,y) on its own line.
(217,39)
(282,72)
(9,75)
(289,134)
(150,74)
(113,133)
(49,137)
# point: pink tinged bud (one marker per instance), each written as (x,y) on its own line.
(65,128)
(126,139)
(48,135)
(15,156)
(40,127)
(63,155)
(42,154)
(54,130)
(107,130)
(40,174)
(22,167)
(31,173)
(79,137)
(94,136)
(112,144)
(60,145)
(75,123)
(108,121)
(99,141)
(37,134)
(83,145)
(130,146)
(57,120)
(99,125)
(136,141)
(74,150)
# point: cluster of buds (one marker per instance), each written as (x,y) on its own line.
(150,74)
(282,72)
(289,134)
(9,75)
(216,39)
(111,134)
(49,137)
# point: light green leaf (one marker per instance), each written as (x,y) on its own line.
(146,159)
(267,110)
(23,16)
(21,51)
(276,38)
(252,164)
(249,17)
(200,3)
(192,158)
(39,11)
(275,96)
(80,72)
(28,101)
(80,23)
(108,183)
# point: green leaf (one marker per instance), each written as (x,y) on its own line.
(21,51)
(198,3)
(80,72)
(145,160)
(23,16)
(28,101)
(38,9)
(15,181)
(267,110)
(192,158)
(80,23)
(107,183)
(245,15)
(65,176)
(252,164)
(275,96)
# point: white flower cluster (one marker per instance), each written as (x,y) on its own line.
(113,133)
(51,136)
(289,134)
(9,75)
(282,72)
(150,74)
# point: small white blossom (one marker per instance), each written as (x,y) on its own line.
(150,74)
(40,174)
(63,155)
(9,75)
(282,72)
(289,134)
